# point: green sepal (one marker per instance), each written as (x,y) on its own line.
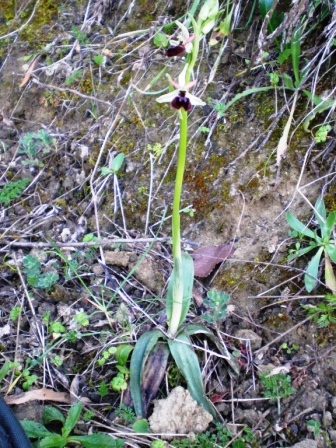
(187,362)
(142,348)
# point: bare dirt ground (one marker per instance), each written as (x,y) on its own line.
(78,71)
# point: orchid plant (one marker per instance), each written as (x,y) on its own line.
(150,355)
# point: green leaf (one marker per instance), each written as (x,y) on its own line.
(51,414)
(97,441)
(160,40)
(193,329)
(122,353)
(53,441)
(4,370)
(330,280)
(72,418)
(310,278)
(141,426)
(299,226)
(320,106)
(117,162)
(34,430)
(105,171)
(331,249)
(296,51)
(276,19)
(320,212)
(187,362)
(142,348)
(301,252)
(284,56)
(288,81)
(188,281)
(329,226)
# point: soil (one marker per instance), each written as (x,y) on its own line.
(80,72)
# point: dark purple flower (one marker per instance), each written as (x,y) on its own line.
(175,50)
(181,100)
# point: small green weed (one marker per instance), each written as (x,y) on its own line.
(322,240)
(216,303)
(126,413)
(13,190)
(35,277)
(32,143)
(160,40)
(315,426)
(80,36)
(103,389)
(276,386)
(73,77)
(288,348)
(156,149)
(98,59)
(15,313)
(47,438)
(324,313)
(322,133)
(220,437)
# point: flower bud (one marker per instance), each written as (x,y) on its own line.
(208,25)
(208,10)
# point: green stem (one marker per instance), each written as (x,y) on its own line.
(176,231)
(195,50)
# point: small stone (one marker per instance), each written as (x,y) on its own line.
(332,434)
(328,419)
(117,258)
(307,443)
(178,414)
(333,402)
(252,336)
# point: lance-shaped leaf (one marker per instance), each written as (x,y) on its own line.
(331,249)
(299,226)
(141,351)
(310,278)
(193,329)
(153,373)
(301,252)
(187,362)
(328,227)
(188,281)
(329,273)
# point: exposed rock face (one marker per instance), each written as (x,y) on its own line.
(178,414)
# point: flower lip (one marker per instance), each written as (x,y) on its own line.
(175,50)
(181,101)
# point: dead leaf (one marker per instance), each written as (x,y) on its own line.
(28,73)
(153,374)
(38,394)
(207,257)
